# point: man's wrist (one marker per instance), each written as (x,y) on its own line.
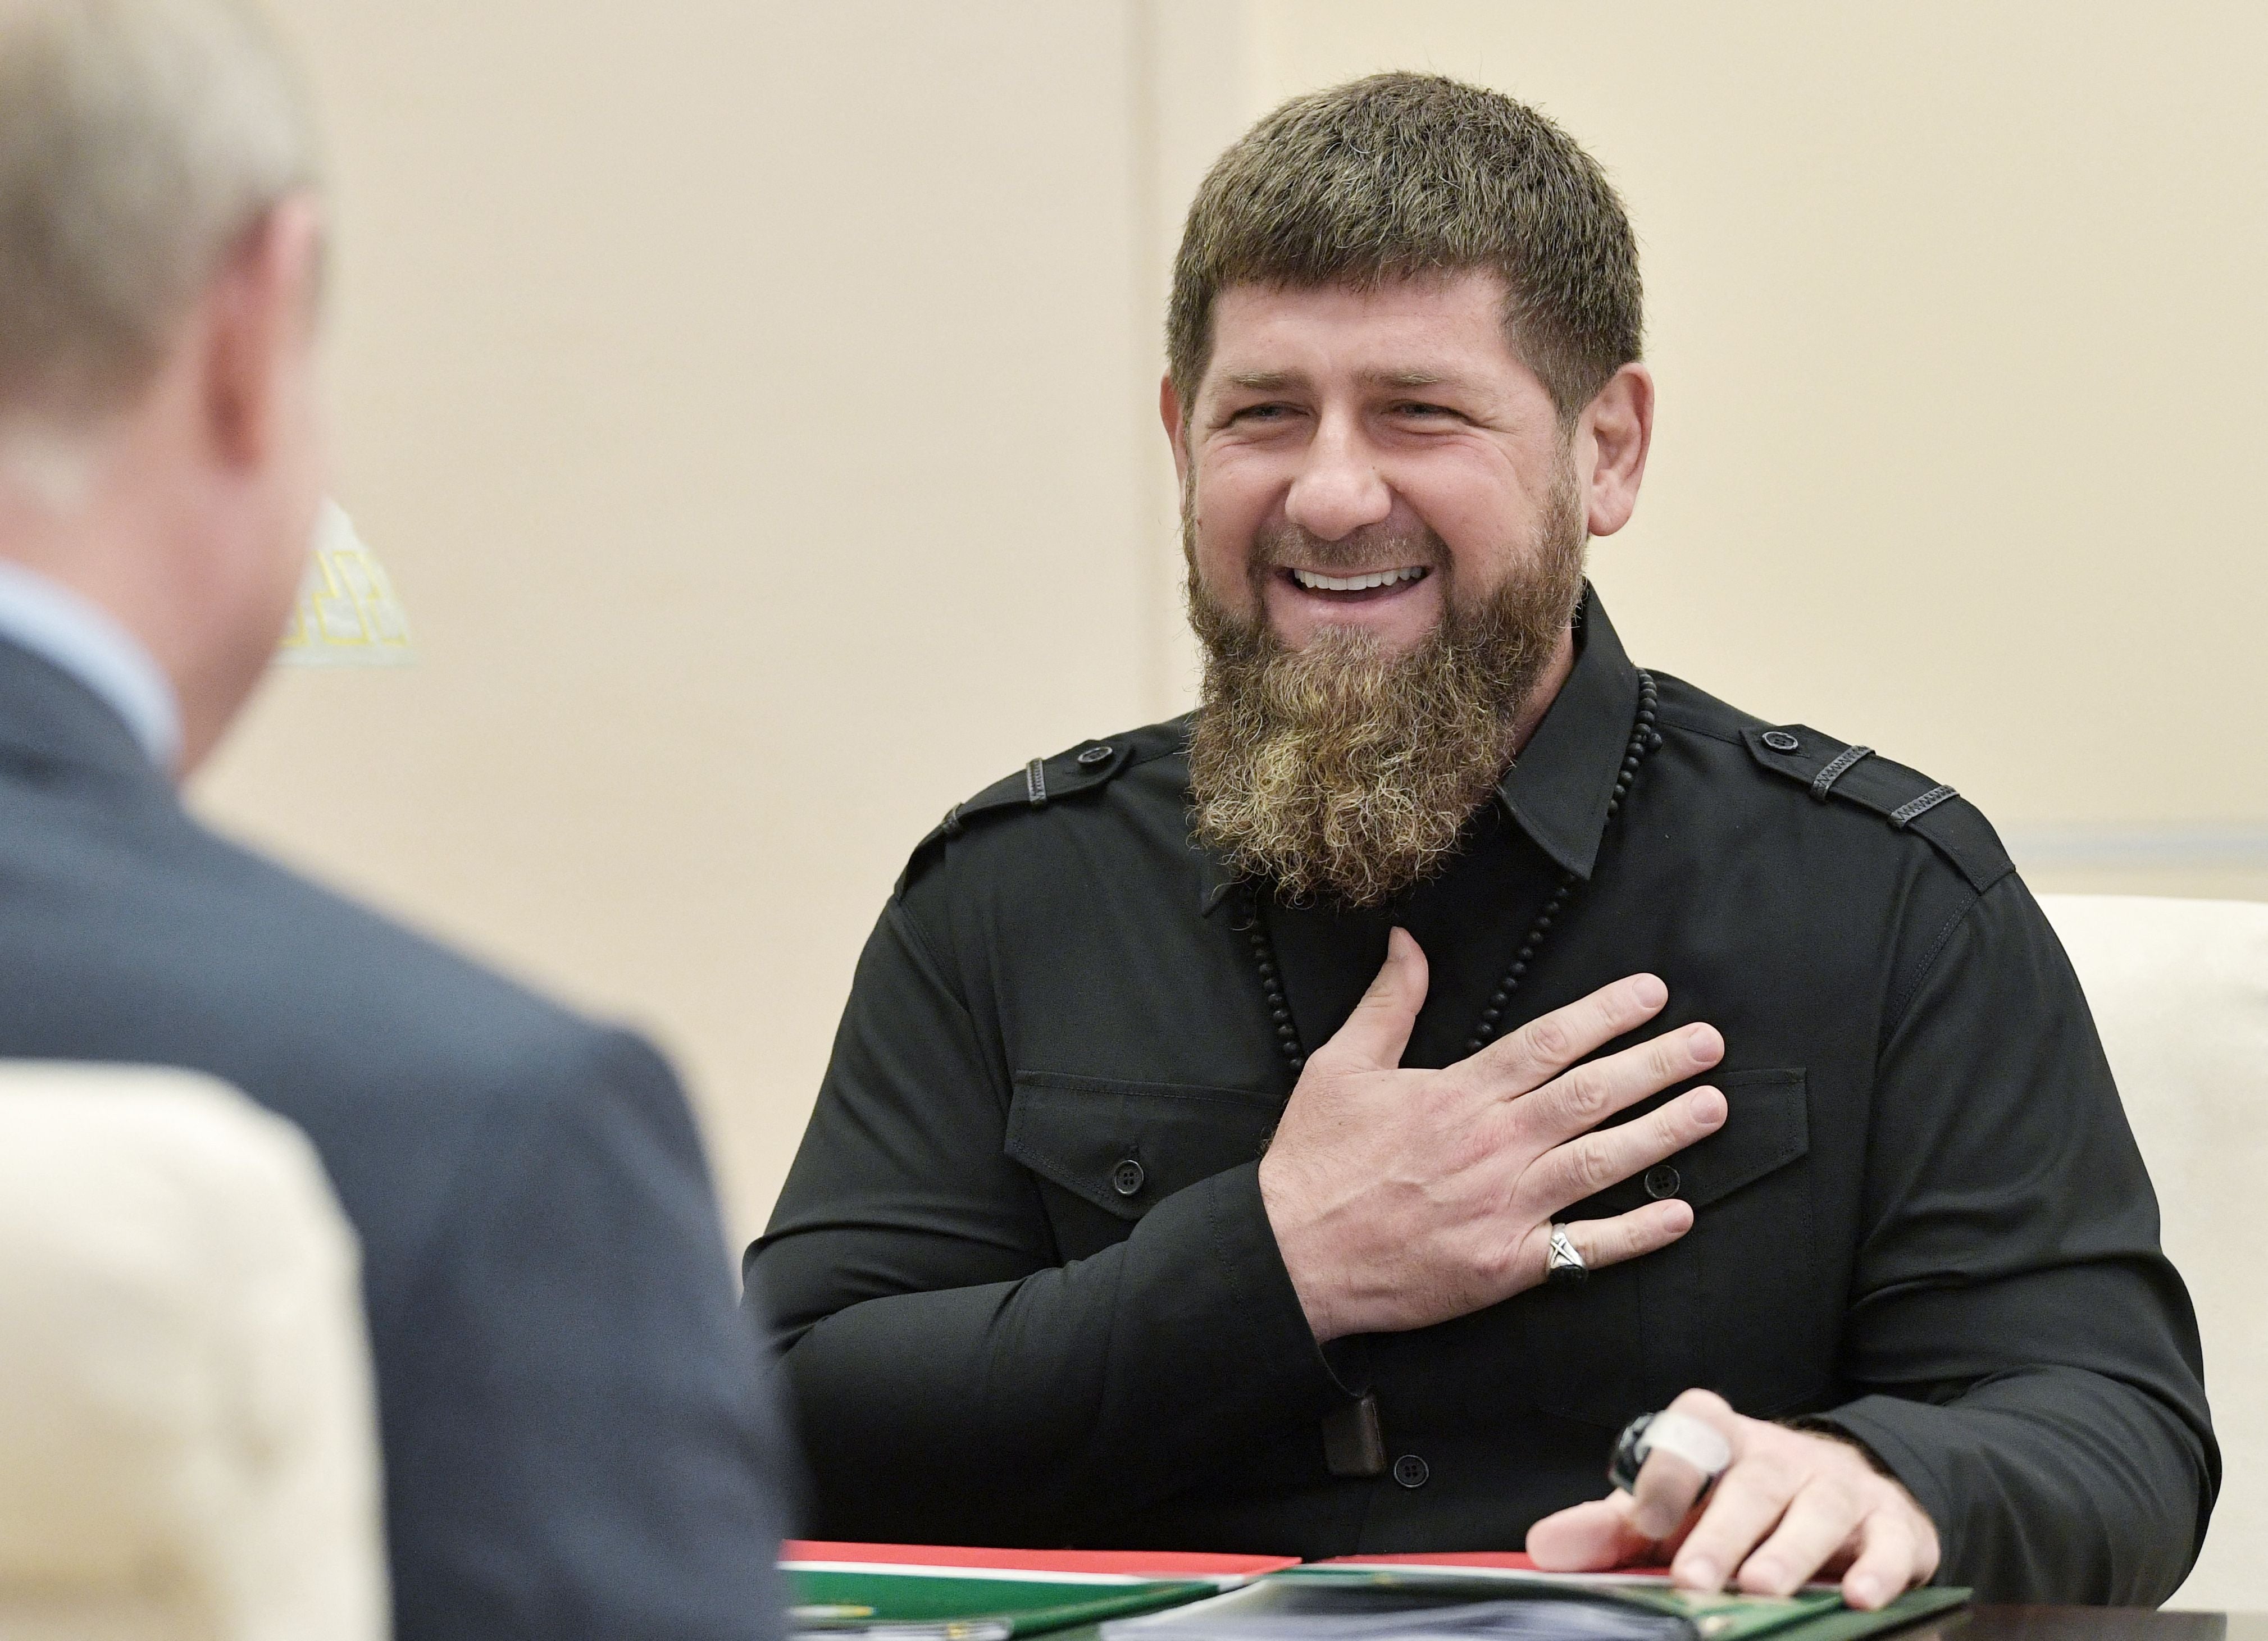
(1813,1424)
(1291,1249)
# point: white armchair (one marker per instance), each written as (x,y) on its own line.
(187,1440)
(2179,989)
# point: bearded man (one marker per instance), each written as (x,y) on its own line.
(1659,1057)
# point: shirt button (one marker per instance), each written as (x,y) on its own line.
(1126,1178)
(1094,755)
(1411,1470)
(1780,740)
(1662,1180)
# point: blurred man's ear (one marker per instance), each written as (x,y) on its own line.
(257,322)
(1170,411)
(1611,439)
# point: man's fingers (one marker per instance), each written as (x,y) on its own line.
(1581,1099)
(1549,1043)
(1891,1559)
(1590,1537)
(1603,1242)
(1748,1503)
(1378,1031)
(1819,1522)
(1590,1162)
(1668,1484)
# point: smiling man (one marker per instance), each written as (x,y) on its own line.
(1660,1057)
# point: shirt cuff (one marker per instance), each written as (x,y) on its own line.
(1266,1306)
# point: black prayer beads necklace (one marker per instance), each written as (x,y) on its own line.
(1644,738)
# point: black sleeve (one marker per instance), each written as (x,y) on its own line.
(956,1382)
(592,1454)
(2033,1356)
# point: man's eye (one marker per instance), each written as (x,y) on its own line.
(1262,413)
(1416,410)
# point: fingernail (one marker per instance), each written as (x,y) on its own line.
(1865,1591)
(1701,1042)
(1650,992)
(1708,1106)
(1702,1572)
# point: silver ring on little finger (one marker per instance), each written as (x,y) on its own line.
(1563,1265)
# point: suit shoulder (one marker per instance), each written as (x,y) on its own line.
(410,1010)
(1805,763)
(1071,777)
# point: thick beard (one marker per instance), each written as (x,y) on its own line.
(1344,773)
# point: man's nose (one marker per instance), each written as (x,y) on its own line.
(1338,488)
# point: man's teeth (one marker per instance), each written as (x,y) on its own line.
(1316,582)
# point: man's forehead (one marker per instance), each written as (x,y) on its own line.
(1418,332)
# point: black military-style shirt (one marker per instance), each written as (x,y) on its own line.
(1027,1288)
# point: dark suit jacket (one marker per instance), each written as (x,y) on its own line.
(573,1442)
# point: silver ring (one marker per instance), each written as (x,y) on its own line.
(1563,1264)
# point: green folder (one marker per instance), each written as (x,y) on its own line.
(1811,1615)
(926,1605)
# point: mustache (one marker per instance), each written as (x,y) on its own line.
(1373,546)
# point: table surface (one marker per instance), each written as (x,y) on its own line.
(2087,1623)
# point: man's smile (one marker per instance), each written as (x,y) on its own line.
(1396,604)
(1370,581)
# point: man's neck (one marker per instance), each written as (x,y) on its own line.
(56,569)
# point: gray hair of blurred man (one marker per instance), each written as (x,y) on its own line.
(140,141)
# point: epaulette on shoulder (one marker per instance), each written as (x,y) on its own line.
(1908,799)
(1069,774)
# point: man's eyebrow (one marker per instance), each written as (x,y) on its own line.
(1263,381)
(1276,381)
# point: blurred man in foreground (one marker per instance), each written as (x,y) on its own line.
(1318,1125)
(574,1440)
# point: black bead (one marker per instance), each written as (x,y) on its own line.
(1279,1016)
(1519,969)
(1490,1016)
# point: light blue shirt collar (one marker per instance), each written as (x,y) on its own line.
(87,642)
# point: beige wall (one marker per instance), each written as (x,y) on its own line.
(740,396)
(753,404)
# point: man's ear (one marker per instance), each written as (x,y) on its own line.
(256,322)
(1611,439)
(1169,412)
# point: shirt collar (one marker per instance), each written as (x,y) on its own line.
(86,641)
(1558,790)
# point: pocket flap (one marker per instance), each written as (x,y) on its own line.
(1767,1126)
(1124,1147)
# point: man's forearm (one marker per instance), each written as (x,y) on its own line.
(1038,1409)
(2050,1484)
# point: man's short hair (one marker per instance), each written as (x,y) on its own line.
(140,140)
(1412,175)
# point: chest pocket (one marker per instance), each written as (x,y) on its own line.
(1107,1150)
(1729,1305)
